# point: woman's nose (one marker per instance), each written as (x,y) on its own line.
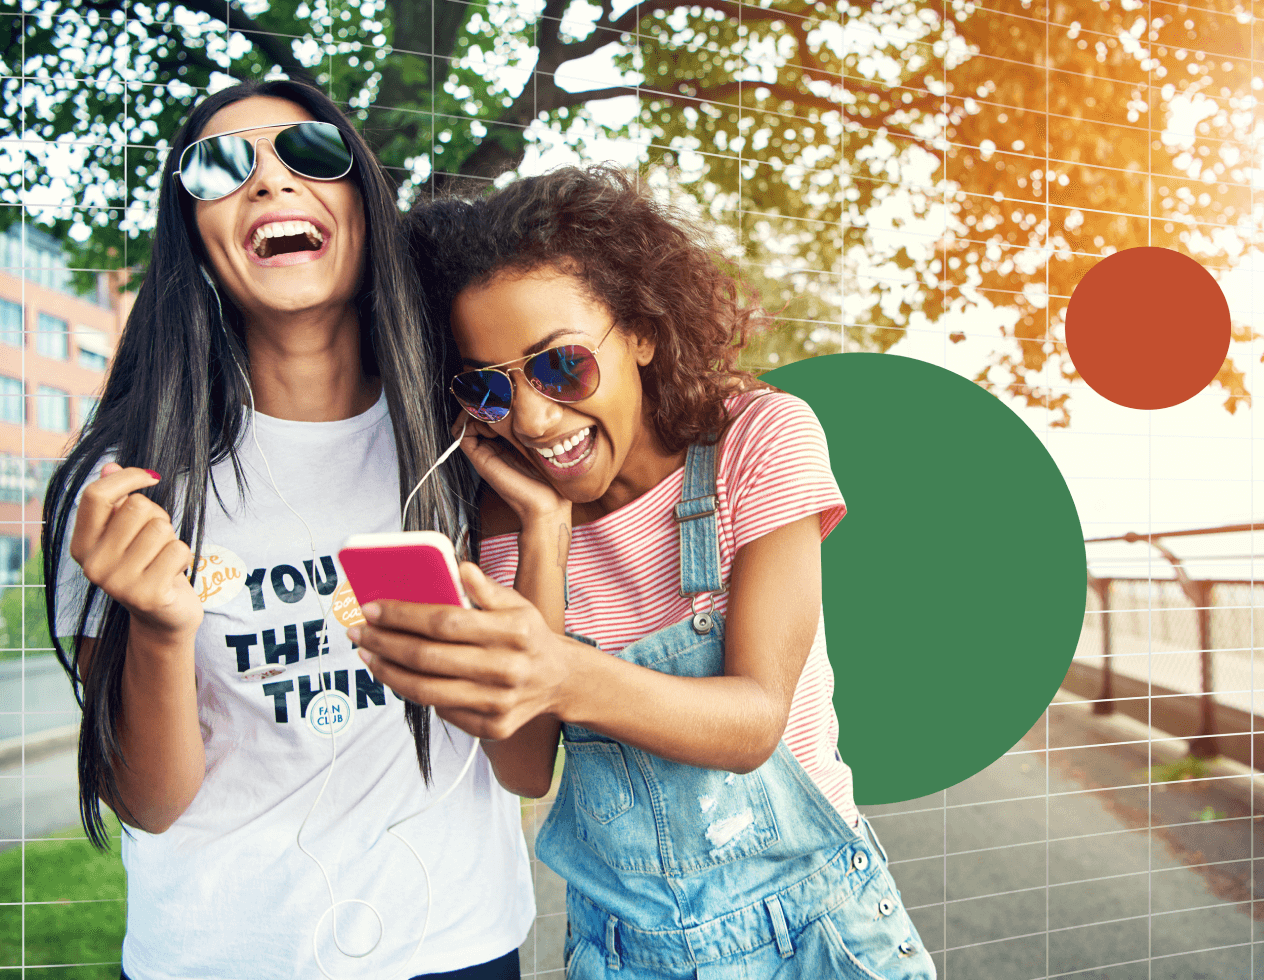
(533,415)
(270,174)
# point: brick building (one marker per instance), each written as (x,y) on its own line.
(55,348)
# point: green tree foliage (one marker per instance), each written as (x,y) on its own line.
(23,622)
(870,164)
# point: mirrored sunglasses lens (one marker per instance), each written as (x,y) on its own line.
(314,150)
(215,167)
(565,374)
(486,395)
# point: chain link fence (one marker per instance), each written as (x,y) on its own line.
(1177,655)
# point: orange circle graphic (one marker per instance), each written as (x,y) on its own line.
(1147,328)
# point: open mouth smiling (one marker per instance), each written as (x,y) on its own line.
(569,452)
(285,237)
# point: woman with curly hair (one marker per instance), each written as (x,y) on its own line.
(666,506)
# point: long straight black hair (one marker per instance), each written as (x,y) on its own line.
(173,403)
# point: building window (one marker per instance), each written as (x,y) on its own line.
(92,360)
(10,323)
(52,409)
(51,339)
(38,473)
(12,399)
(94,348)
(13,479)
(87,409)
(12,554)
(11,252)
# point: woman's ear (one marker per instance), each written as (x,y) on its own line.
(643,346)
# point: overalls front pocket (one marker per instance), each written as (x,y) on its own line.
(643,814)
(603,788)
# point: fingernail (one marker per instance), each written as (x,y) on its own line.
(153,474)
(353,634)
(366,657)
(371,611)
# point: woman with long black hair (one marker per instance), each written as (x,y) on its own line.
(270,395)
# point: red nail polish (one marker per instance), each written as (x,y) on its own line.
(153,474)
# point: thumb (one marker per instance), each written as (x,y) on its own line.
(486,593)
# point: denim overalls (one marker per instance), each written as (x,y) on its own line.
(681,872)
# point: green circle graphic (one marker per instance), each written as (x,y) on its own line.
(954,589)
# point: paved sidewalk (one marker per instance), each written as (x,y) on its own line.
(49,784)
(541,954)
(1081,868)
(35,693)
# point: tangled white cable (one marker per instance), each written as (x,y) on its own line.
(323,694)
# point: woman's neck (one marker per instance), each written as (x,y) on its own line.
(306,366)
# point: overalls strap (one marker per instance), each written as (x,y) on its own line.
(696,521)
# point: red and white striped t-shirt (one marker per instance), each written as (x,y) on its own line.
(623,575)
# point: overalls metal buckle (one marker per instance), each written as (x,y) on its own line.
(698,535)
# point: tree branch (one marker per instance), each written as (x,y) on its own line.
(494,155)
(275,49)
(594,42)
(607,30)
(628,20)
(194,58)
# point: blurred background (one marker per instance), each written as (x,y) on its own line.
(928,179)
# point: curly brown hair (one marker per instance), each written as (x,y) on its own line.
(645,262)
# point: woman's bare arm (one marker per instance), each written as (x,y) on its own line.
(159,732)
(524,762)
(127,547)
(504,667)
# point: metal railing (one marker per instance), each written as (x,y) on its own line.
(1177,653)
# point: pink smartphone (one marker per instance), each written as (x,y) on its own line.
(411,566)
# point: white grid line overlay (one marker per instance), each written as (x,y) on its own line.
(946,808)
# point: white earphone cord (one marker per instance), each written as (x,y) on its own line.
(323,694)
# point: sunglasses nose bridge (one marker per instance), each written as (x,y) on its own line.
(534,413)
(271,163)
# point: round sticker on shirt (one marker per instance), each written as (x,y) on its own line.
(220,576)
(329,713)
(346,608)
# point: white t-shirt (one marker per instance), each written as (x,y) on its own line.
(225,893)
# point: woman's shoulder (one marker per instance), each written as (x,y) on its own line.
(767,414)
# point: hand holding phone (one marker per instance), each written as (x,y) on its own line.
(408,566)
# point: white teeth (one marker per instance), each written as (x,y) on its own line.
(565,446)
(286,229)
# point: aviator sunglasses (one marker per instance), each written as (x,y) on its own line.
(216,166)
(568,373)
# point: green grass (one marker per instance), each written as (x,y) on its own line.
(23,623)
(76,908)
(1187,768)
